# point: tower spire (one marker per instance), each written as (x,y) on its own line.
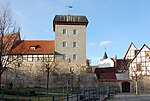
(105,56)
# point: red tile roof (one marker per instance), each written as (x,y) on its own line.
(105,70)
(42,47)
(105,73)
(110,76)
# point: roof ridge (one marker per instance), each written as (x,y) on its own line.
(71,15)
(139,52)
(38,40)
(129,49)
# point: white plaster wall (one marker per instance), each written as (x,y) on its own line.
(106,63)
(80,38)
(131,52)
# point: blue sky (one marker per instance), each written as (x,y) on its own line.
(113,24)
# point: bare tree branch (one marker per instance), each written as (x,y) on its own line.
(7,26)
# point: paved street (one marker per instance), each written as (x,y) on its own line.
(131,97)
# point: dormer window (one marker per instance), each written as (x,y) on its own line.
(34,47)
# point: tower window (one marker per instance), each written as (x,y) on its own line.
(74,57)
(74,31)
(64,57)
(74,44)
(64,31)
(64,44)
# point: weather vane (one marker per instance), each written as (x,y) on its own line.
(105,49)
(69,7)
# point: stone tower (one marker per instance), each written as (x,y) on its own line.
(70,37)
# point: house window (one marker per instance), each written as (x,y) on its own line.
(64,44)
(64,31)
(45,57)
(74,57)
(74,44)
(10,58)
(74,31)
(138,67)
(40,58)
(24,57)
(69,83)
(19,58)
(35,57)
(64,57)
(30,58)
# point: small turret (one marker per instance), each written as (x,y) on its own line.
(105,56)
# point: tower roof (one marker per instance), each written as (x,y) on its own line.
(105,56)
(69,20)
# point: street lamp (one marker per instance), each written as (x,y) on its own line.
(71,71)
(71,74)
(47,70)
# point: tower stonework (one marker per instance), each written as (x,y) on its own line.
(70,37)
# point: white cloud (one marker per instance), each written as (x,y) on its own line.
(105,43)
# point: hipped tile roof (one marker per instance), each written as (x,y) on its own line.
(42,47)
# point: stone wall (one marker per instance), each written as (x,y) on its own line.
(34,74)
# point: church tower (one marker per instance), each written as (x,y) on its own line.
(70,37)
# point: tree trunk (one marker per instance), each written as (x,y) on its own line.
(47,86)
(136,86)
(0,81)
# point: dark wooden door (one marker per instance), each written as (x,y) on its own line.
(125,87)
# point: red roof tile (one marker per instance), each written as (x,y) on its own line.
(42,47)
